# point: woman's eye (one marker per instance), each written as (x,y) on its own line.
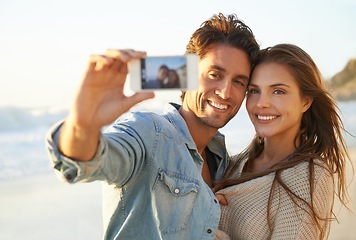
(279,91)
(252,91)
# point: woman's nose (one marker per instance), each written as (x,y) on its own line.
(263,101)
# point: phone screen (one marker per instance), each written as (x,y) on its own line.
(164,72)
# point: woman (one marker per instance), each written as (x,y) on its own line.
(173,80)
(282,185)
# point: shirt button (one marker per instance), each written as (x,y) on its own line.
(176,191)
(209,231)
(216,201)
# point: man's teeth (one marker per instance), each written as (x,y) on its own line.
(217,105)
(266,117)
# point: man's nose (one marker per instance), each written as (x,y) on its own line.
(223,89)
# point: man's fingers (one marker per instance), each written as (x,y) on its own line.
(98,62)
(124,55)
(116,59)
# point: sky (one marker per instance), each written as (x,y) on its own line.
(45,44)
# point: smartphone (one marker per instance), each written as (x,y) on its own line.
(156,73)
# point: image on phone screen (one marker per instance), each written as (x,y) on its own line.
(164,72)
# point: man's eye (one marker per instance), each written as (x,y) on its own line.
(214,75)
(240,82)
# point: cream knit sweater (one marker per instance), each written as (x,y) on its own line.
(245,216)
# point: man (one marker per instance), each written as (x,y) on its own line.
(157,170)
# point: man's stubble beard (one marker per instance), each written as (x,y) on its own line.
(214,121)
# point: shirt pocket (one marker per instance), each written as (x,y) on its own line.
(173,200)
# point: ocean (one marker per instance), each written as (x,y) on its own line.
(22,136)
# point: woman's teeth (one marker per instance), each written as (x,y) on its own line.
(266,117)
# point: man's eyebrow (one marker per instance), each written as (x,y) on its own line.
(243,77)
(240,76)
(216,67)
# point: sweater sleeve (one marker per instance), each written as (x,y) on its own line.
(293,222)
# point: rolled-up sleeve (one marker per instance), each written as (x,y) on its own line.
(67,169)
(123,151)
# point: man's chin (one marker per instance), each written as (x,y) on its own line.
(214,124)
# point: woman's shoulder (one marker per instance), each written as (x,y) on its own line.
(302,168)
(300,174)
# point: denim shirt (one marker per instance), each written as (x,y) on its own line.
(151,173)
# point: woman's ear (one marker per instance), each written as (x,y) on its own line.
(307,103)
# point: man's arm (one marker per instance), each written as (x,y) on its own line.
(98,102)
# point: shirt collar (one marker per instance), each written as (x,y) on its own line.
(216,145)
(171,112)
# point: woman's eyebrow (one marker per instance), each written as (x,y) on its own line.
(273,85)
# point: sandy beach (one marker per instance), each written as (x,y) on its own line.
(346,228)
(42,207)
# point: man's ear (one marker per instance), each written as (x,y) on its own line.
(307,103)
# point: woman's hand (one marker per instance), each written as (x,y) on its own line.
(221,198)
